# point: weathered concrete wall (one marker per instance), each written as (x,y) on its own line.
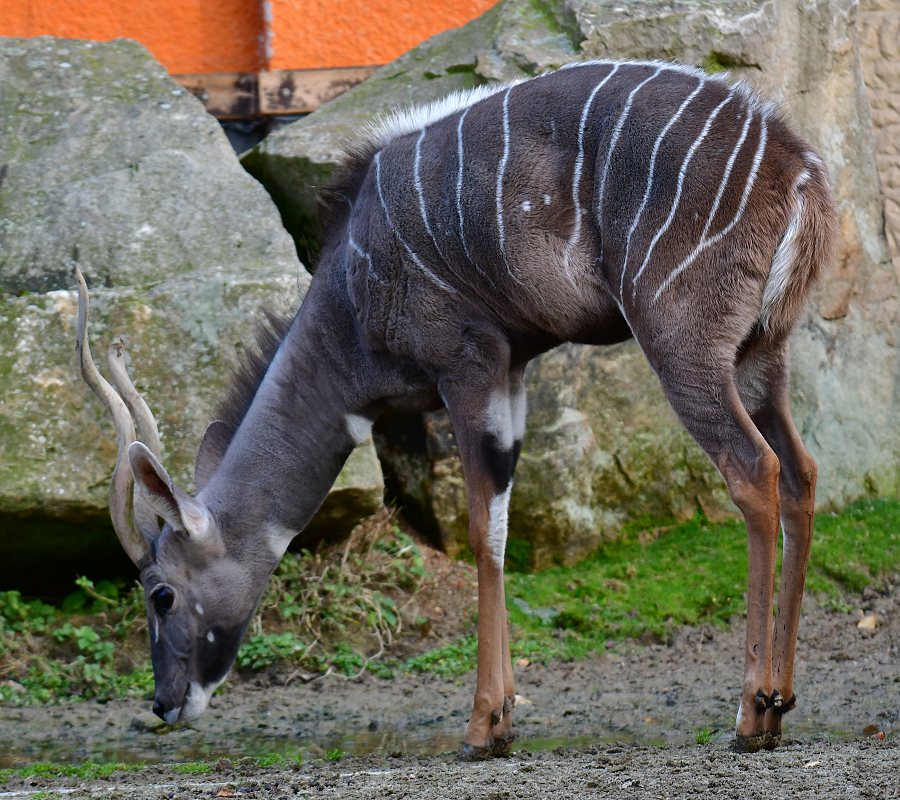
(879,38)
(602,442)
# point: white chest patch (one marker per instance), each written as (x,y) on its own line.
(279,537)
(359,427)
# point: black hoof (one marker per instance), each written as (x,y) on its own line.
(469,752)
(502,746)
(756,742)
(750,744)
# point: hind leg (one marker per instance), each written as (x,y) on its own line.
(766,393)
(700,385)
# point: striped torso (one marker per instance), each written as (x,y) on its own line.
(601,182)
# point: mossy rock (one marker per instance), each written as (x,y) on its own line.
(105,159)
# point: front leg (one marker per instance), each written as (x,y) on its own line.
(483,421)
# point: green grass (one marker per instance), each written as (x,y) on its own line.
(87,771)
(93,770)
(329,610)
(324,611)
(657,578)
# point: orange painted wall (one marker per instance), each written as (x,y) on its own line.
(247,35)
(349,33)
(186,36)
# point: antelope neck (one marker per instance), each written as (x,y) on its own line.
(294,439)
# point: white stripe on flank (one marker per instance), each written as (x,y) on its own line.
(727,174)
(783,261)
(501,171)
(680,187)
(637,217)
(751,179)
(410,252)
(417,178)
(617,131)
(579,165)
(459,181)
(499,525)
(355,247)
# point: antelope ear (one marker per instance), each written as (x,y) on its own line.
(176,507)
(212,448)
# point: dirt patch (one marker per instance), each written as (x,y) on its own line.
(848,685)
(801,772)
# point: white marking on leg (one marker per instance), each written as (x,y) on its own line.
(680,186)
(459,182)
(617,131)
(409,251)
(499,525)
(501,171)
(579,164)
(526,206)
(497,420)
(518,412)
(748,186)
(359,427)
(657,144)
(547,199)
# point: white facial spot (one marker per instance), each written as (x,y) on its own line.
(547,199)
(497,419)
(156,629)
(359,427)
(499,525)
(210,637)
(526,206)
(199,609)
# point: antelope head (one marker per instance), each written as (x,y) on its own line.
(199,597)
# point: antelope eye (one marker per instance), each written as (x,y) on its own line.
(162,598)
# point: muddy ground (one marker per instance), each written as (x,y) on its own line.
(620,724)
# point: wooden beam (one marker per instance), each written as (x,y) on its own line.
(226,95)
(246,95)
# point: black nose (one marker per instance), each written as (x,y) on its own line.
(159,710)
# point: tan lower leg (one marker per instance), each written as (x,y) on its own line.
(487,711)
(757,497)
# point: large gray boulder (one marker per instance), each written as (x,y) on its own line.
(602,442)
(104,159)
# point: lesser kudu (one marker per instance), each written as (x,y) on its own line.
(604,201)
